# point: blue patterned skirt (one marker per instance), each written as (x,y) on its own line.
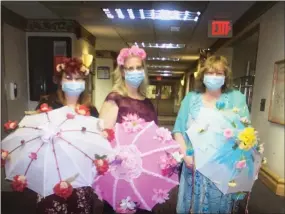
(197,194)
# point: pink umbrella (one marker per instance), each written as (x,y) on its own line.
(143,169)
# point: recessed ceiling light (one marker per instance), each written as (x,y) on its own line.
(158,45)
(174,29)
(152,14)
(163,59)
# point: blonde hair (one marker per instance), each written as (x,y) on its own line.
(120,85)
(212,64)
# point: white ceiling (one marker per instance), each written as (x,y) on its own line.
(115,34)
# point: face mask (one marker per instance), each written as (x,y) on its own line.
(134,78)
(213,83)
(73,88)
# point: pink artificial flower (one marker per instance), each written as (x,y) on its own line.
(163,135)
(160,196)
(33,156)
(132,123)
(133,51)
(241,164)
(228,133)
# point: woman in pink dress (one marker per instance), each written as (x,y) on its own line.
(128,95)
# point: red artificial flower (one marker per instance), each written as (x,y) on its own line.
(165,172)
(109,134)
(70,116)
(63,189)
(10,125)
(83,110)
(45,108)
(102,166)
(4,157)
(19,183)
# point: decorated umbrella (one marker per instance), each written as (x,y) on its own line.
(227,150)
(54,151)
(143,169)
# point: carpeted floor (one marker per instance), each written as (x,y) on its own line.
(262,201)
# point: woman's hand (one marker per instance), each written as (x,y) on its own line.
(189,161)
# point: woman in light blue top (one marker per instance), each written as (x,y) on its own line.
(197,194)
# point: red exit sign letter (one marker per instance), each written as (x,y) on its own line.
(220,29)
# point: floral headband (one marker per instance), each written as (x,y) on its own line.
(133,51)
(72,65)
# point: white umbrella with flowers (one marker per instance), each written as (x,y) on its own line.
(54,151)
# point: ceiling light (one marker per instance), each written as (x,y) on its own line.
(159,66)
(152,14)
(174,29)
(159,45)
(163,59)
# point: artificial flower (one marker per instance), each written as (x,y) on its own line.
(102,165)
(10,125)
(264,160)
(236,110)
(160,196)
(260,148)
(220,105)
(163,135)
(232,184)
(177,156)
(126,52)
(19,183)
(60,67)
(241,164)
(4,157)
(126,206)
(63,189)
(33,156)
(247,138)
(228,133)
(83,110)
(132,123)
(45,108)
(70,116)
(245,121)
(109,134)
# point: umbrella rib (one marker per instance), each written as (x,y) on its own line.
(80,131)
(56,162)
(76,148)
(159,150)
(47,117)
(139,195)
(160,176)
(29,127)
(62,123)
(33,159)
(25,143)
(141,132)
(115,192)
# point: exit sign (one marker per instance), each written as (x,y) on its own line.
(220,29)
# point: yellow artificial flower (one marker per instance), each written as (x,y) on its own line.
(232,184)
(236,110)
(247,138)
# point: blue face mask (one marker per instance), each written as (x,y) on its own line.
(73,88)
(213,83)
(134,78)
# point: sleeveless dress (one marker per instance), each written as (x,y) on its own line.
(82,199)
(127,105)
(197,194)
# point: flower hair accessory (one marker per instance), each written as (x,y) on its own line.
(133,51)
(72,65)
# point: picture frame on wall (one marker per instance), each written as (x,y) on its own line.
(103,72)
(276,108)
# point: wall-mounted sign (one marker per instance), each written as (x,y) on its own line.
(103,72)
(220,29)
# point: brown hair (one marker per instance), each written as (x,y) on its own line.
(71,66)
(211,64)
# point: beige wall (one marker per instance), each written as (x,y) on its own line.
(270,49)
(14,57)
(102,86)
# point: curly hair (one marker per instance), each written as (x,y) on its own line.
(211,64)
